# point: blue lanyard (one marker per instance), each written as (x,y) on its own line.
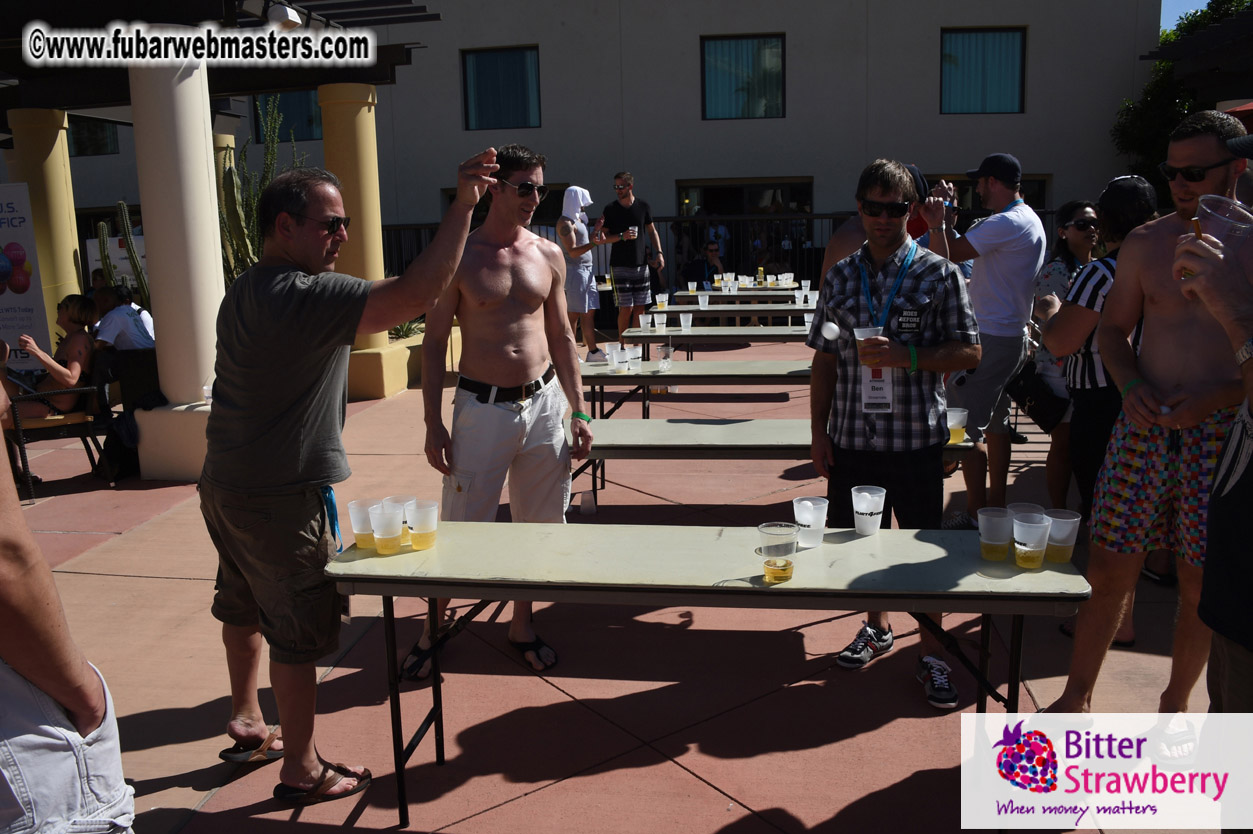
(332,514)
(900,276)
(1010,206)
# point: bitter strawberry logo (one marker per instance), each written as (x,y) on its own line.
(1028,760)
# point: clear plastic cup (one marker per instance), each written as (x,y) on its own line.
(610,347)
(634,351)
(359,518)
(663,300)
(778,539)
(665,358)
(702,299)
(634,364)
(423,520)
(618,361)
(208,393)
(1031,538)
(645,320)
(809,319)
(996,531)
(401,501)
(776,570)
(1224,219)
(387,522)
(799,295)
(868,509)
(811,518)
(861,334)
(735,289)
(1063,530)
(685,321)
(691,286)
(957,425)
(659,321)
(805,285)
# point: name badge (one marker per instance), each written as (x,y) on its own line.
(876,390)
(909,321)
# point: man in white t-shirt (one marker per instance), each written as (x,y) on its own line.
(1009,248)
(120,326)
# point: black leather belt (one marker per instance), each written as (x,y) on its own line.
(491,394)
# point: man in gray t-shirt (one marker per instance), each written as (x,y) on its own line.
(284,332)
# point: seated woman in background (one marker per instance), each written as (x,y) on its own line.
(67,367)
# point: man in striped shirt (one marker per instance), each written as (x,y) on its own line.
(877,410)
(1179,399)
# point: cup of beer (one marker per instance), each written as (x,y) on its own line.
(359,517)
(861,334)
(1063,530)
(663,300)
(996,531)
(1031,538)
(957,425)
(387,522)
(401,501)
(423,519)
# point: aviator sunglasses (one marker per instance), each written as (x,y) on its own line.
(873,208)
(1191,173)
(333,224)
(1083,225)
(526,189)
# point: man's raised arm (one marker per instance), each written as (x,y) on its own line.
(396,300)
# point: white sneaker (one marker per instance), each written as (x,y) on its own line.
(597,355)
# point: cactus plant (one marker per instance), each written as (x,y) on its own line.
(137,266)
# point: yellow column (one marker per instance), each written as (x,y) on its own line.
(350,148)
(43,158)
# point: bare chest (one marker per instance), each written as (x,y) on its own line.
(504,278)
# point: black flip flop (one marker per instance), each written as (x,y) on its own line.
(533,646)
(262,752)
(332,775)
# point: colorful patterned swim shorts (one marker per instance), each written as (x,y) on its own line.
(1153,489)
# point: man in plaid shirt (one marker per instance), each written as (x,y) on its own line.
(877,410)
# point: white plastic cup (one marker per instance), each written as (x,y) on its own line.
(811,518)
(1224,219)
(663,300)
(634,351)
(957,424)
(685,321)
(1063,530)
(634,363)
(868,509)
(778,539)
(1025,508)
(387,521)
(809,319)
(1031,538)
(703,300)
(644,321)
(422,516)
(861,334)
(799,295)
(208,393)
(996,531)
(610,347)
(691,286)
(805,285)
(401,501)
(359,518)
(735,289)
(659,321)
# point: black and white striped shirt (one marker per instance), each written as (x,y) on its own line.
(1084,369)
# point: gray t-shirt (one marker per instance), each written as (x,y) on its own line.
(281,391)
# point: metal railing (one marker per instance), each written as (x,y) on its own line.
(783,243)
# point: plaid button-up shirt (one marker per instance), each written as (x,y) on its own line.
(930,308)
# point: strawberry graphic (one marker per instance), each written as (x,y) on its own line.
(1028,760)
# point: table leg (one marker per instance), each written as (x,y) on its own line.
(985,644)
(437,687)
(644,399)
(1015,663)
(393,697)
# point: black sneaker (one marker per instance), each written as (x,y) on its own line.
(1016,437)
(934,675)
(959,521)
(869,643)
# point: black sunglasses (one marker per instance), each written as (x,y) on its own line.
(1083,225)
(1191,173)
(526,189)
(333,224)
(873,208)
(621,187)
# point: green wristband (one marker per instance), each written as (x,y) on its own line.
(582,417)
(913,359)
(1132,384)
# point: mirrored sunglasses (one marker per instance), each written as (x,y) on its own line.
(526,189)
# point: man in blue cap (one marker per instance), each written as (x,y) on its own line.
(1009,248)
